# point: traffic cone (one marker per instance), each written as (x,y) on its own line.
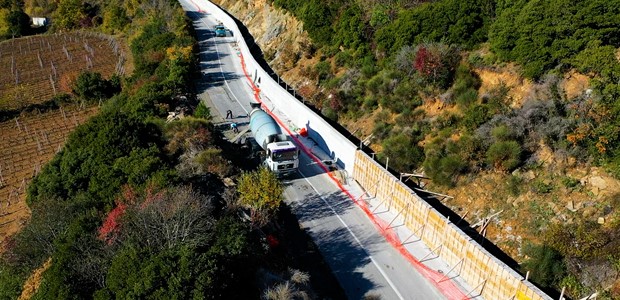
(303,132)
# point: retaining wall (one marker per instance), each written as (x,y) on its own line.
(488,276)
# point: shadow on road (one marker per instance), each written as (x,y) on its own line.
(305,256)
(344,254)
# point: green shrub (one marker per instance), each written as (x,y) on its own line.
(370,102)
(402,150)
(545,264)
(501,133)
(381,129)
(11,281)
(475,116)
(504,155)
(317,21)
(467,98)
(342,59)
(446,120)
(574,286)
(513,185)
(330,113)
(444,170)
(92,86)
(323,71)
(539,186)
(202,111)
(569,182)
(465,79)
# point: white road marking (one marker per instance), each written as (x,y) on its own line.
(355,237)
(222,71)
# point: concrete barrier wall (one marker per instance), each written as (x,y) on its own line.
(327,138)
(488,276)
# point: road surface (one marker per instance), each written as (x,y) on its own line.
(363,262)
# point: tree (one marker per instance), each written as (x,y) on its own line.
(115,18)
(92,86)
(262,192)
(19,23)
(68,14)
(169,218)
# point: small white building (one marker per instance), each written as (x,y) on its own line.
(38,22)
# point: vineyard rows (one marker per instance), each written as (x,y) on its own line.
(27,144)
(35,68)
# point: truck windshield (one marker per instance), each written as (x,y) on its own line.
(284,154)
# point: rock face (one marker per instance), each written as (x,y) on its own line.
(280,36)
(600,185)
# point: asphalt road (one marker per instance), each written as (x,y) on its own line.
(360,258)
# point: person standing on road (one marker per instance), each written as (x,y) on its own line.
(229,114)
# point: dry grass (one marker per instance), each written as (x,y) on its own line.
(32,283)
(509,76)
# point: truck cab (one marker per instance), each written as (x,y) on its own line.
(282,158)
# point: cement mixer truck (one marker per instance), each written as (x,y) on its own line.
(281,155)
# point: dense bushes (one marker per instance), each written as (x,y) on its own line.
(447,159)
(403,151)
(16,22)
(91,86)
(545,264)
(82,166)
(450,21)
(540,34)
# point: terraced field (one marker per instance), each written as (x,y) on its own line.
(27,144)
(32,70)
(35,68)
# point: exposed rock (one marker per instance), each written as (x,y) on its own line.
(598,182)
(519,199)
(529,175)
(601,220)
(571,206)
(556,210)
(228,182)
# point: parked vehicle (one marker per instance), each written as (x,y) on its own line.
(281,155)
